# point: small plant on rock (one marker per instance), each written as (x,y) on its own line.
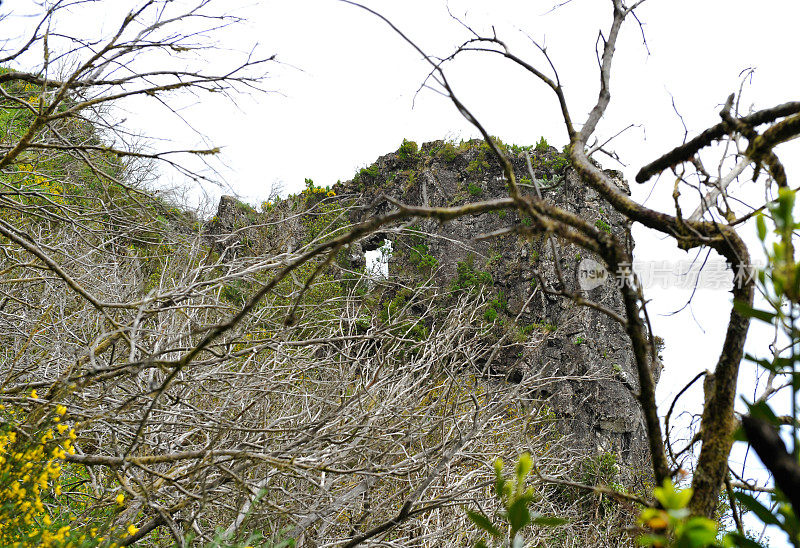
(408,150)
(515,500)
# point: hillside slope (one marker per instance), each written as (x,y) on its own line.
(226,380)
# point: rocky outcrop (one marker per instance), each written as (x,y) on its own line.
(587,355)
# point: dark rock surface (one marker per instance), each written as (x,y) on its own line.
(586,354)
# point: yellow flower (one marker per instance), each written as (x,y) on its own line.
(34,394)
(61,409)
(132,529)
(120,498)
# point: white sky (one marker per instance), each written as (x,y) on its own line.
(349,84)
(344,95)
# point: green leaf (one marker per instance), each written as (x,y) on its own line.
(498,467)
(790,522)
(650,540)
(524,466)
(761,227)
(548,521)
(782,208)
(700,531)
(763,411)
(746,310)
(682,498)
(499,481)
(760,361)
(740,541)
(776,365)
(484,523)
(757,508)
(670,498)
(518,515)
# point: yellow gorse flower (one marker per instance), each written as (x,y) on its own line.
(30,474)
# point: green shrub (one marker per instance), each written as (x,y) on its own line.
(467,277)
(603,225)
(474,189)
(601,469)
(516,149)
(494,306)
(371,172)
(447,153)
(557,164)
(480,163)
(408,150)
(421,258)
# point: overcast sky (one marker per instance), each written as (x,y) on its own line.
(346,92)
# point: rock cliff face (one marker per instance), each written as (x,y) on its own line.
(586,354)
